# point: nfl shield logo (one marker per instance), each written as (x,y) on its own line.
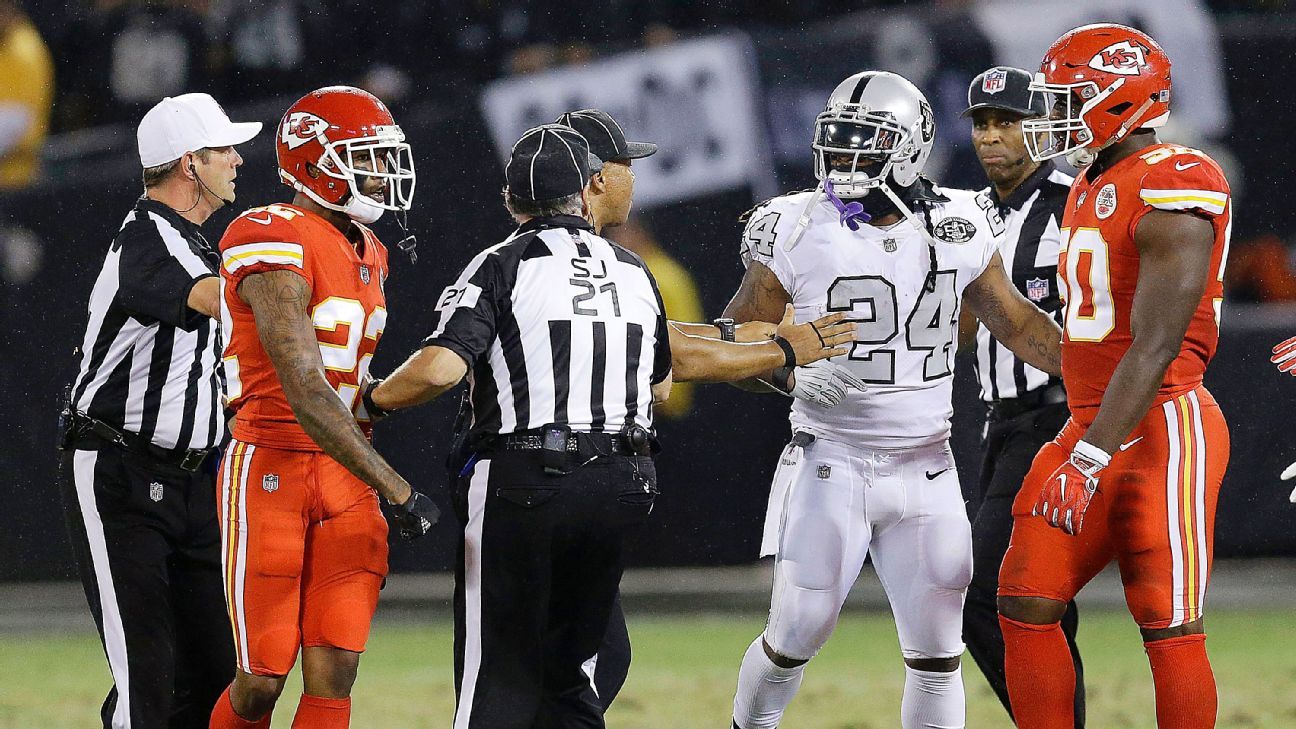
(994,80)
(364,274)
(155,491)
(889,245)
(1037,289)
(825,471)
(270,482)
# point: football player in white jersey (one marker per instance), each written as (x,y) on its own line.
(874,474)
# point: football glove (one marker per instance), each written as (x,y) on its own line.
(415,517)
(1284,356)
(824,383)
(1288,474)
(1066,496)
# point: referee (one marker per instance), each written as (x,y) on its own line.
(1027,407)
(564,341)
(143,424)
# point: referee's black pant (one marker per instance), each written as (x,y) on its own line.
(536,582)
(1010,446)
(148,549)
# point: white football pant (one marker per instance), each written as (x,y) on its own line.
(831,505)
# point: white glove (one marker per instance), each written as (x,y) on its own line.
(824,383)
(1287,475)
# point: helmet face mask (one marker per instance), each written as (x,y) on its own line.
(334,141)
(875,127)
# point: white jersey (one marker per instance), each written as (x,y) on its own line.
(905,340)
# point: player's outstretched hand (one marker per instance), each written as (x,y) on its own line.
(823,383)
(415,517)
(1288,474)
(822,338)
(1284,356)
(1065,497)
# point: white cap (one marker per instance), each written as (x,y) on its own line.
(187,123)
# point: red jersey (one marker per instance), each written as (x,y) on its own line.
(347,306)
(1099,267)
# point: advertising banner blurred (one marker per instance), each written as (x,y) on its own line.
(697,100)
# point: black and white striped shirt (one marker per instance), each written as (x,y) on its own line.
(149,364)
(1032,213)
(559,326)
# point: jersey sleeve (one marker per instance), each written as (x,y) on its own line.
(767,233)
(995,232)
(1187,181)
(259,241)
(467,309)
(662,351)
(157,270)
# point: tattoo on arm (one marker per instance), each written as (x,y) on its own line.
(279,300)
(1020,325)
(760,297)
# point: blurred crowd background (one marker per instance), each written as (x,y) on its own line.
(728,88)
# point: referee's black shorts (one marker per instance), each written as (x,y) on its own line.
(539,568)
(148,550)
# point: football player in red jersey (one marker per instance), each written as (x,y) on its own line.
(1135,474)
(304,540)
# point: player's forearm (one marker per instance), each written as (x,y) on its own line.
(1039,343)
(326,420)
(1130,392)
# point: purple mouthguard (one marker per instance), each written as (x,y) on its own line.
(852,213)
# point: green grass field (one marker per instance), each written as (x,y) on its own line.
(684,671)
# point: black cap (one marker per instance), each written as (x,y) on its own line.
(1008,88)
(606,139)
(550,161)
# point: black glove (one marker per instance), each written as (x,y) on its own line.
(415,517)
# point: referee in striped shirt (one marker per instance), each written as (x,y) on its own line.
(143,425)
(563,338)
(1027,407)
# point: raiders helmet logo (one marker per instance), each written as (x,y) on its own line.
(301,127)
(995,80)
(955,230)
(928,129)
(1122,58)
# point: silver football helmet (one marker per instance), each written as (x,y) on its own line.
(882,123)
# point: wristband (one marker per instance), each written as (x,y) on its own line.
(1092,453)
(728,329)
(367,398)
(781,378)
(789,354)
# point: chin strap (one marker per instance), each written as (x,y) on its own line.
(409,242)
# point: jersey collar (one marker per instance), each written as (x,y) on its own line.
(556,221)
(187,228)
(1017,198)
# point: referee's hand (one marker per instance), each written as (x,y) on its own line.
(415,517)
(822,338)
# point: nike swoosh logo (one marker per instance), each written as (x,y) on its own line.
(1181,166)
(932,476)
(267,220)
(1127,446)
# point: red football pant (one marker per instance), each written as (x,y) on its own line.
(305,553)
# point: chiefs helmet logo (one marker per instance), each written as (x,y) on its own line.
(1123,58)
(301,127)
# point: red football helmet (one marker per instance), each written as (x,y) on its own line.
(333,136)
(1106,80)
